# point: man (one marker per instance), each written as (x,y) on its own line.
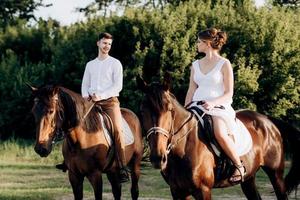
(102,81)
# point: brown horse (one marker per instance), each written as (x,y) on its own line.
(188,165)
(61,112)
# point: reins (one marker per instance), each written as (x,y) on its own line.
(156,130)
(59,132)
(172,145)
(89,110)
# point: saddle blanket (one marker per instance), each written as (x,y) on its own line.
(128,135)
(243,140)
(242,137)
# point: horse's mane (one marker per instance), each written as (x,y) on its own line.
(72,108)
(157,100)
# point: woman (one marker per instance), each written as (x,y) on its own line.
(211,81)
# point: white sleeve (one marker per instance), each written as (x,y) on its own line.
(85,82)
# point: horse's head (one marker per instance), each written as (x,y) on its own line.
(157,112)
(48,118)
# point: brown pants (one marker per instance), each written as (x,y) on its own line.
(111,106)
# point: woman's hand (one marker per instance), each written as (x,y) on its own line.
(208,105)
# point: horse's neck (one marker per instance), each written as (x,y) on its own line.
(180,112)
(188,136)
(81,118)
(183,122)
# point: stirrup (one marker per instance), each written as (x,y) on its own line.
(236,176)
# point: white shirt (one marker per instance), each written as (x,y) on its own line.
(102,77)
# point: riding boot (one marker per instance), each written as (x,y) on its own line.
(62,166)
(123,172)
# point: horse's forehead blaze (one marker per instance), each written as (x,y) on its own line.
(45,130)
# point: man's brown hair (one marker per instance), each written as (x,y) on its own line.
(105,35)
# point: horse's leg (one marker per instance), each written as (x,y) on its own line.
(95,179)
(76,181)
(135,175)
(249,189)
(115,184)
(180,194)
(204,193)
(276,178)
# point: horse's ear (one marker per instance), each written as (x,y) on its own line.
(142,85)
(167,81)
(33,89)
(55,90)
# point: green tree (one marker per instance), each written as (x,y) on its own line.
(26,56)
(13,10)
(102,6)
(290,3)
(263,50)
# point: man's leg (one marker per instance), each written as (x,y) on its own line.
(112,108)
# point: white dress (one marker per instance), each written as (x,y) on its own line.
(211,86)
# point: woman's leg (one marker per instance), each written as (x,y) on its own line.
(228,146)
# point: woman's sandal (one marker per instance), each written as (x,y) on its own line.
(238,175)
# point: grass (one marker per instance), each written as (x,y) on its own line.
(24,175)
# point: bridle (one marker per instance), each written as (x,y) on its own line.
(158,130)
(59,133)
(57,123)
(169,134)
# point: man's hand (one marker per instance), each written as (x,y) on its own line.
(95,97)
(87,98)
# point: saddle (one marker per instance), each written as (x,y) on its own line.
(106,120)
(108,125)
(108,131)
(225,166)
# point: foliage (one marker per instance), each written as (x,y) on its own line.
(103,6)
(26,58)
(263,50)
(289,3)
(12,10)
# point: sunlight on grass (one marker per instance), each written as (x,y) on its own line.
(22,151)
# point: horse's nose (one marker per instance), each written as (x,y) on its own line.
(156,161)
(42,151)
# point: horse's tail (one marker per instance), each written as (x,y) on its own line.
(291,137)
